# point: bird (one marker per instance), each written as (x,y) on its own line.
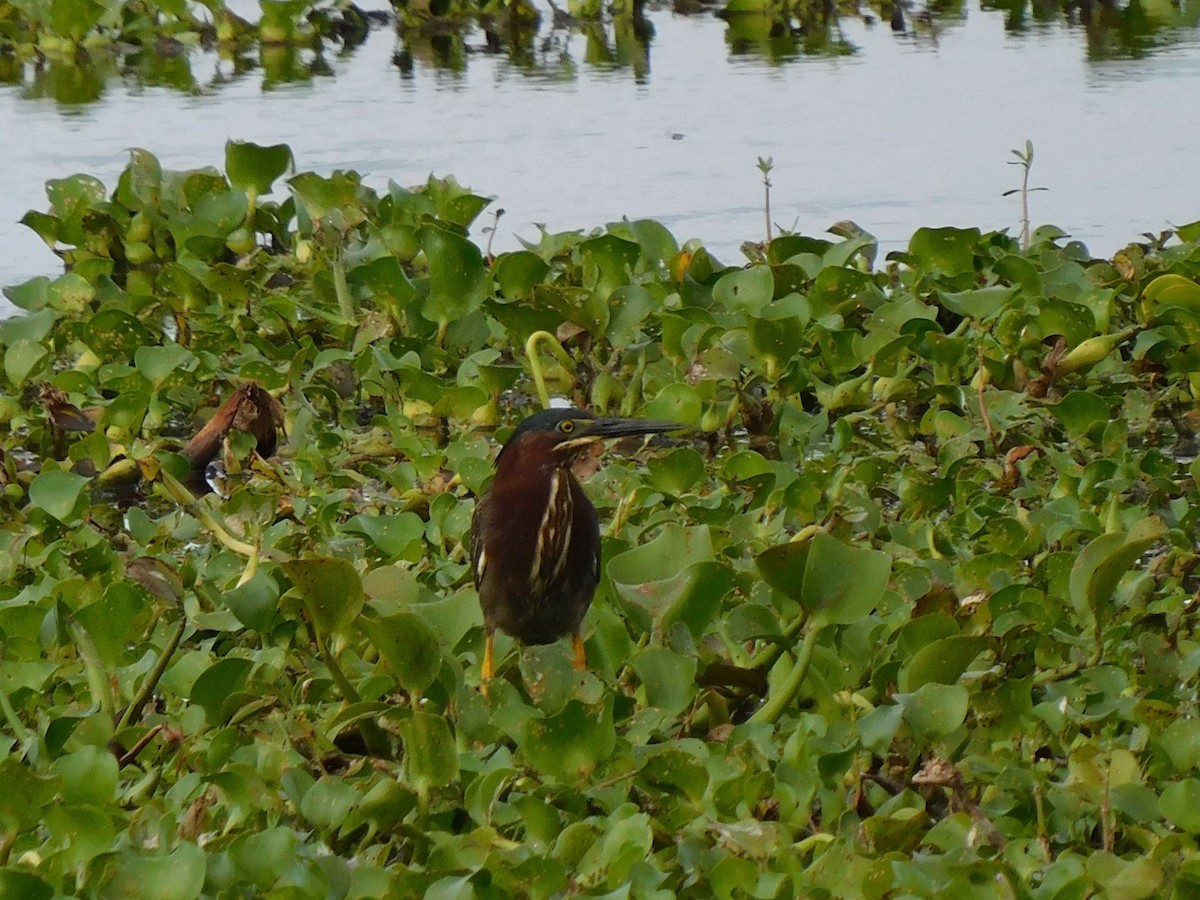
(535,536)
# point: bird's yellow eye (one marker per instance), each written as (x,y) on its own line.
(566,426)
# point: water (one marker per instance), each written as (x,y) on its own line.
(909,129)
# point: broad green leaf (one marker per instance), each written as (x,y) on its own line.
(70,293)
(676,403)
(22,359)
(570,745)
(745,290)
(677,471)
(457,277)
(945,251)
(58,493)
(408,646)
(17,885)
(1132,879)
(668,678)
(674,549)
(983,304)
(935,710)
(215,689)
(782,567)
(32,327)
(398,536)
(160,363)
(1080,412)
(328,802)
(842,584)
(1173,290)
(75,18)
(1100,564)
(940,662)
(1180,803)
(320,196)
(255,602)
(429,751)
(178,875)
(516,274)
(331,589)
(608,262)
(1181,741)
(89,776)
(254,168)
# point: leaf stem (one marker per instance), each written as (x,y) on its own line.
(779,701)
(769,655)
(20,732)
(134,711)
(376,741)
(340,287)
(535,362)
(96,675)
(181,495)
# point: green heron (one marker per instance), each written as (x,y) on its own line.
(535,536)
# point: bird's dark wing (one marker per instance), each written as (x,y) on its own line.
(478,560)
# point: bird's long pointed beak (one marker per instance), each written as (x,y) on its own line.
(602,429)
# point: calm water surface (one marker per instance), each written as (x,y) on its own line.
(910,129)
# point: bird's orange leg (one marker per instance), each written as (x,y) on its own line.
(486,671)
(579,658)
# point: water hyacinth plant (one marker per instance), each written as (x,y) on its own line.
(909,611)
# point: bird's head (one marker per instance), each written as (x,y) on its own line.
(554,437)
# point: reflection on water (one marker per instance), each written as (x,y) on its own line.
(892,115)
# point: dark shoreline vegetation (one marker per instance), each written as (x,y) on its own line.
(70,50)
(909,612)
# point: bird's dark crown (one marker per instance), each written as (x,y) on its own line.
(548,420)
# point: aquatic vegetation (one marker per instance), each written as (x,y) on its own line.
(910,610)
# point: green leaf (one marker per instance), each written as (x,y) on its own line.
(214,689)
(676,403)
(58,492)
(939,662)
(1180,803)
(945,251)
(983,304)
(570,745)
(178,875)
(516,274)
(254,168)
(408,646)
(668,678)
(255,602)
(1100,564)
(935,710)
(782,567)
(32,327)
(429,752)
(331,589)
(22,359)
(1080,412)
(1133,879)
(328,802)
(675,548)
(457,276)
(160,363)
(745,290)
(75,18)
(16,885)
(842,584)
(320,196)
(608,262)
(676,472)
(89,776)
(398,536)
